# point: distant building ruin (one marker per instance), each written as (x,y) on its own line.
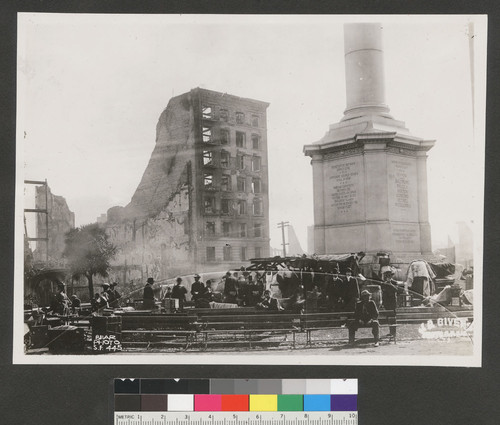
(60,220)
(202,203)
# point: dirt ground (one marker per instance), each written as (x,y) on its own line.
(409,342)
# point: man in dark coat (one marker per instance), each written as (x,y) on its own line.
(179,292)
(230,288)
(366,313)
(334,293)
(148,297)
(389,298)
(350,291)
(198,288)
(268,303)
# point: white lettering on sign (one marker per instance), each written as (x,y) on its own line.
(445,327)
(106,343)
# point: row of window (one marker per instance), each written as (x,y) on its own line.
(227,206)
(227,253)
(226,186)
(255,161)
(241,230)
(208,112)
(225,139)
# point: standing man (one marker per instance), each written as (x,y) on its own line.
(148,296)
(389,298)
(334,291)
(366,313)
(230,290)
(351,291)
(179,292)
(197,288)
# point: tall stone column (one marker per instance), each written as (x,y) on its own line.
(364,70)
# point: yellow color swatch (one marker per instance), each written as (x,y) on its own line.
(263,403)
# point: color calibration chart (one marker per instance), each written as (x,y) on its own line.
(235,401)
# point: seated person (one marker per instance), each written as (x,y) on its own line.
(268,303)
(365,314)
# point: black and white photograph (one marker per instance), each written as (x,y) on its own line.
(249,189)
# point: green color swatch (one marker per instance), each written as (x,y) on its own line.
(290,403)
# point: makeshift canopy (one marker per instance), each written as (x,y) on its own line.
(314,262)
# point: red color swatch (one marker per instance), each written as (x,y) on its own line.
(235,403)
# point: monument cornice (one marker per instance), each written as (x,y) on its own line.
(389,140)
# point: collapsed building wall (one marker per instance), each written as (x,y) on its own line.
(153,232)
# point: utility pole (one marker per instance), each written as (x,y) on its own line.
(282,226)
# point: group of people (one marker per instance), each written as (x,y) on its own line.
(242,288)
(342,293)
(201,293)
(108,298)
(61,303)
(239,288)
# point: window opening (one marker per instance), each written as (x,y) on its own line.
(207,112)
(207,135)
(240,139)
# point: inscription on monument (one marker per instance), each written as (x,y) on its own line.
(403,235)
(344,186)
(403,189)
(406,237)
(402,182)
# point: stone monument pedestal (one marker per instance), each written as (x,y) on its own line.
(369,172)
(370,191)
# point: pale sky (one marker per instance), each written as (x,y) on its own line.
(92,87)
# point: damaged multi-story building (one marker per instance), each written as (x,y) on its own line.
(202,203)
(59,219)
